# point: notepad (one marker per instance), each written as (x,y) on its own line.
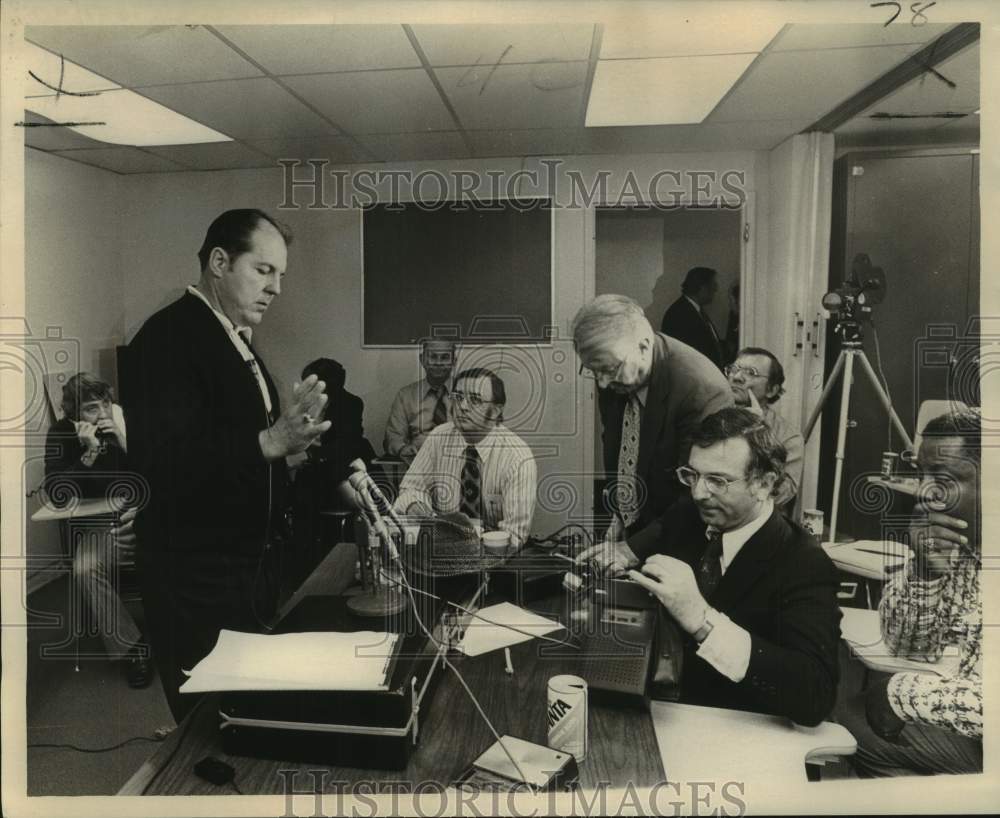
(513,625)
(294,661)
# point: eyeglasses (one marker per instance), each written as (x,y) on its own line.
(749,371)
(595,372)
(713,482)
(475,401)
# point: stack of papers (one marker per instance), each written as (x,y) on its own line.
(482,636)
(294,661)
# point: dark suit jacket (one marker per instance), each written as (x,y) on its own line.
(782,590)
(345,440)
(684,388)
(683,322)
(194,419)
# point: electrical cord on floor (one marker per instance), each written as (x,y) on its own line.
(188,721)
(93,749)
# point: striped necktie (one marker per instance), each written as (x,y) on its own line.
(471,485)
(628,459)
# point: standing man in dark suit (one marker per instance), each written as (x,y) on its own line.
(653,392)
(208,433)
(686,319)
(756,601)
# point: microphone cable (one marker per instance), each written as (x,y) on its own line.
(442,652)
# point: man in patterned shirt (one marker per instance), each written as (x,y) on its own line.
(928,723)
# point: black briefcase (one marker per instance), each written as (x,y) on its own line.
(376,729)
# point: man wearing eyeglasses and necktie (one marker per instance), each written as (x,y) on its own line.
(422,405)
(757,380)
(757,602)
(652,392)
(474,464)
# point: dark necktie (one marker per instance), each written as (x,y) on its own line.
(710,567)
(441,407)
(471,490)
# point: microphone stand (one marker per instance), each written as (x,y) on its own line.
(378,599)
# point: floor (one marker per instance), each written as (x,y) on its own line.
(92,708)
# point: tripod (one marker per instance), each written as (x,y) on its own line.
(845,366)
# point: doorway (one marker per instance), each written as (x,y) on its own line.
(645,253)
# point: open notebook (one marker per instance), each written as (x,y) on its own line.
(294,661)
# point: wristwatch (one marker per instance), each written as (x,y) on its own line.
(706,626)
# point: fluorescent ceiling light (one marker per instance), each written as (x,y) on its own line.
(126,118)
(674,35)
(666,91)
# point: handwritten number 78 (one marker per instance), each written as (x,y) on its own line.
(916,9)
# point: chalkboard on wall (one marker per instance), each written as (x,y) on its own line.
(481,273)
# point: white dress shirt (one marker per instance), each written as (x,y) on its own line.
(727,646)
(411,418)
(236,335)
(508,478)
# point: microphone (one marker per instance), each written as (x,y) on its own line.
(357,481)
(361,478)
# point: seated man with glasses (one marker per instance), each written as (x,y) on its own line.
(652,391)
(474,464)
(757,603)
(757,380)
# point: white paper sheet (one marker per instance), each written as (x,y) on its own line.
(294,661)
(482,637)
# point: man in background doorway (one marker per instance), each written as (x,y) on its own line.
(422,405)
(686,319)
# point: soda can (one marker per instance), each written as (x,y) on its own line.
(812,521)
(567,715)
(888,464)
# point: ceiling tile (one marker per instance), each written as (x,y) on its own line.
(490,45)
(684,138)
(411,146)
(335,149)
(662,91)
(793,84)
(215,156)
(811,36)
(145,55)
(316,49)
(121,160)
(54,138)
(376,101)
(676,35)
(543,95)
(536,142)
(245,109)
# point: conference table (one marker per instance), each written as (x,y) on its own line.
(627,745)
